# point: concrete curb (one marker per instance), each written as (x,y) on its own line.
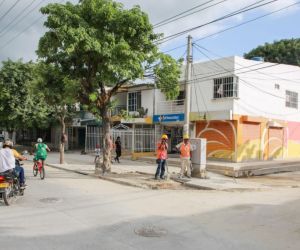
(103,177)
(149,187)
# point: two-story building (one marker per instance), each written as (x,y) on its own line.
(246,109)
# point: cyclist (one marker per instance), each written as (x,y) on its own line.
(41,150)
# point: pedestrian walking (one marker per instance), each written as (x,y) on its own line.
(185,156)
(162,155)
(118,149)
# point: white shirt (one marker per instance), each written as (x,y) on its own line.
(7,159)
(97,151)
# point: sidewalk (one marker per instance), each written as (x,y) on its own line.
(140,174)
(241,169)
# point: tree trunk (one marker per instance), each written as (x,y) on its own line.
(107,144)
(62,141)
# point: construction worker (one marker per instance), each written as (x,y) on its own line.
(162,155)
(185,149)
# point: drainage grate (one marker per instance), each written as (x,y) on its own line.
(50,200)
(151,231)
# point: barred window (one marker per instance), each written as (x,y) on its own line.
(180,98)
(134,101)
(291,99)
(225,87)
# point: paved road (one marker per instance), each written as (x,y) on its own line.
(71,211)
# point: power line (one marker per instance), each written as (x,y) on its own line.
(280,78)
(18,17)
(249,21)
(238,25)
(247,83)
(9,10)
(254,87)
(170,20)
(21,32)
(205,78)
(242,10)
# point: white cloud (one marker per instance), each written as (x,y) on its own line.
(25,45)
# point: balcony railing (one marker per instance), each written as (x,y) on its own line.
(170,107)
(118,110)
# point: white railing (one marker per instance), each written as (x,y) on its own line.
(169,107)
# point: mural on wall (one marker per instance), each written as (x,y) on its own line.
(292,142)
(221,138)
(246,141)
(249,141)
(273,143)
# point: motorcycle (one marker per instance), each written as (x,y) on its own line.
(10,187)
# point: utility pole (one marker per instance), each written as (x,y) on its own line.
(189,61)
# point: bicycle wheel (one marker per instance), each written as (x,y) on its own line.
(35,170)
(42,173)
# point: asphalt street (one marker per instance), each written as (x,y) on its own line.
(72,211)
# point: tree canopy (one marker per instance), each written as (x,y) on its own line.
(102,46)
(19,106)
(286,51)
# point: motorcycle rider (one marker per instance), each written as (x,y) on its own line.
(9,164)
(7,159)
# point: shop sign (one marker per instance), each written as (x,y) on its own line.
(168,118)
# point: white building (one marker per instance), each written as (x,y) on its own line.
(247,110)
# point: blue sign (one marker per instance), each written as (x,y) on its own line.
(168,118)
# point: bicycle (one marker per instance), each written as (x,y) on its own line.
(38,167)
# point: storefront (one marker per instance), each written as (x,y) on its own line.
(172,125)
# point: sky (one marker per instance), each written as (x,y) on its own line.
(21,25)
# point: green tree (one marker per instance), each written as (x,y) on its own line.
(286,51)
(103,45)
(19,107)
(58,92)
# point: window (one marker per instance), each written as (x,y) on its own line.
(225,87)
(180,98)
(291,99)
(134,101)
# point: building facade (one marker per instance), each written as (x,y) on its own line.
(247,110)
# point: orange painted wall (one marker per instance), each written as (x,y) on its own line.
(220,136)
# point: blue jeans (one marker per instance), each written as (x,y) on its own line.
(160,171)
(20,173)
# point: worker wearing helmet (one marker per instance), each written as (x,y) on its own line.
(162,155)
(185,149)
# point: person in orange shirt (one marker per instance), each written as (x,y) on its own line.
(162,155)
(185,149)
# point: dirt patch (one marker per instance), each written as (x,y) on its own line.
(144,181)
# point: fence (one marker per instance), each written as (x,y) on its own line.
(137,140)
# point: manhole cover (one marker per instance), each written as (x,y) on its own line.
(50,200)
(151,231)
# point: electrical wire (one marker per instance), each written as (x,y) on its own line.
(181,13)
(189,14)
(24,30)
(238,25)
(245,82)
(240,11)
(17,17)
(9,10)
(278,78)
(256,88)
